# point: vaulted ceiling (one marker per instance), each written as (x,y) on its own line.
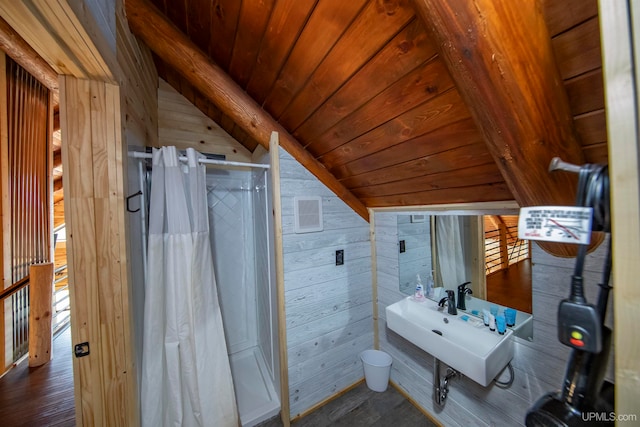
(368,89)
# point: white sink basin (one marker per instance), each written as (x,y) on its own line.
(467,346)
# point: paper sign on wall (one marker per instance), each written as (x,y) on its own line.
(564,224)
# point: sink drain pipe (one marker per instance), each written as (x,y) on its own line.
(441,388)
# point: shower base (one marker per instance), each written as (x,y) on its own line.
(256,396)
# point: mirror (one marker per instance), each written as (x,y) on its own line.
(481,249)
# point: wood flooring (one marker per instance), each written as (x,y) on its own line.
(511,287)
(41,396)
(360,407)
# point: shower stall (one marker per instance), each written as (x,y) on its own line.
(240,227)
(241,234)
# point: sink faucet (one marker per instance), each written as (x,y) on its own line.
(462,293)
(450,299)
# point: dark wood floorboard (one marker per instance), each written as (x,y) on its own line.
(41,396)
(361,407)
(511,287)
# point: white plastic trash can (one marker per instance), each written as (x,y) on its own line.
(377,366)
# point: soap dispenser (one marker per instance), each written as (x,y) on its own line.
(429,288)
(419,293)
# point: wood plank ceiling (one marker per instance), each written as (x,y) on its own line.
(362,88)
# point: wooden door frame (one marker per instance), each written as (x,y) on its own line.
(619,23)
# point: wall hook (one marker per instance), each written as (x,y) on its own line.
(139,193)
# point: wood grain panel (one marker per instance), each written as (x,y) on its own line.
(198,21)
(79,207)
(182,125)
(407,50)
(54,31)
(225,15)
(458,134)
(343,61)
(40,319)
(285,25)
(456,158)
(596,153)
(586,92)
(474,193)
(254,16)
(310,49)
(97,253)
(578,51)
(21,52)
(419,86)
(204,105)
(443,110)
(177,10)
(592,127)
(562,15)
(483,174)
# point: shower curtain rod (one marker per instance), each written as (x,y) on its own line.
(141,155)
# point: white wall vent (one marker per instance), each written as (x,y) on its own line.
(308,214)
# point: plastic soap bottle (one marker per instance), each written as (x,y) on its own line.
(429,289)
(419,294)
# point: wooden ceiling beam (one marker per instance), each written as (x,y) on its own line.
(500,56)
(166,41)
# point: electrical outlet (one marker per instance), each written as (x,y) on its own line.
(340,257)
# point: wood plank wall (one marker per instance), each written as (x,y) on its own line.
(92,132)
(101,122)
(328,307)
(183,125)
(539,365)
(62,39)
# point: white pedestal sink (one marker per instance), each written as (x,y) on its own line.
(469,347)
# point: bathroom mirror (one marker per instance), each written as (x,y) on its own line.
(453,249)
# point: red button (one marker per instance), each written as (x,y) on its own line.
(577,343)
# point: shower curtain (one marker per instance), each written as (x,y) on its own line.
(450,251)
(186,377)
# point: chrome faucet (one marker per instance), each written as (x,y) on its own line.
(450,299)
(462,293)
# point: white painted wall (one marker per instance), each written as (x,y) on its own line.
(539,365)
(328,307)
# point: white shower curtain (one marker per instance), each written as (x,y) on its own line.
(450,251)
(186,377)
